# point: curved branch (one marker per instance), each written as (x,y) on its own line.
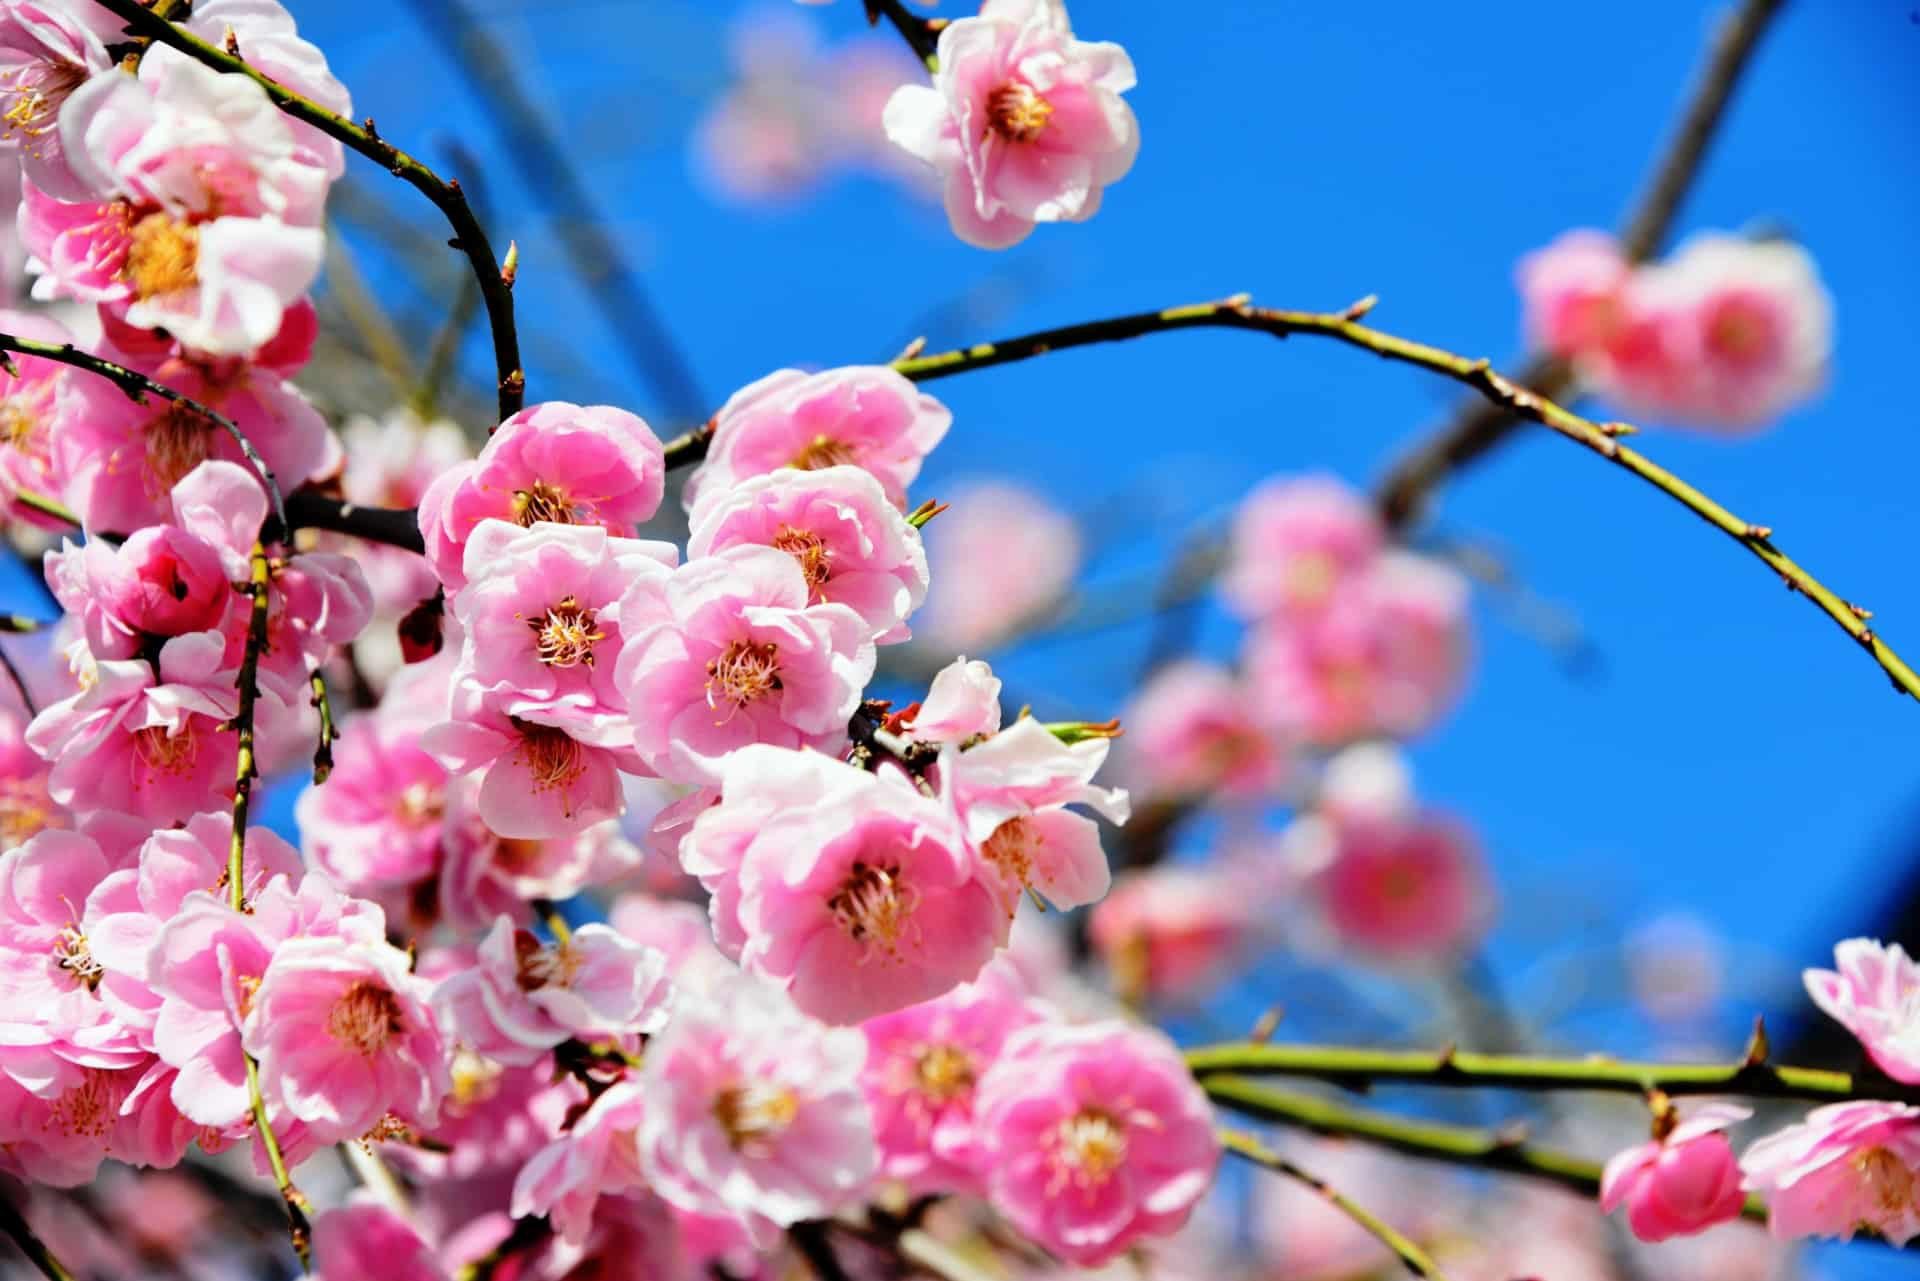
(446,195)
(138,387)
(1509,396)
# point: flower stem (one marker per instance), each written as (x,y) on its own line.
(14,1224)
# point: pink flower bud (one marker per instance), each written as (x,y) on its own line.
(1683,1183)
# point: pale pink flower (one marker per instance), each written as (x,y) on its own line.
(524,997)
(1385,658)
(47,50)
(754,1111)
(923,1066)
(1001,559)
(212,231)
(1368,780)
(1011,793)
(1683,1183)
(1874,993)
(867,416)
(271,45)
(1095,1137)
(59,1139)
(1847,1167)
(1172,930)
(376,824)
(962,700)
(596,1156)
(28,401)
(367,1238)
(1191,731)
(344,1034)
(852,890)
(1298,543)
(766,136)
(853,545)
(1406,890)
(727,651)
(558,462)
(1573,292)
(1024,122)
(679,930)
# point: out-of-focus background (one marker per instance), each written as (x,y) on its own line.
(1656,736)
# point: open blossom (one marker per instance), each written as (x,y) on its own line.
(851,543)
(1847,1167)
(852,890)
(727,651)
(1095,1136)
(1682,1183)
(924,1064)
(47,50)
(597,1156)
(390,462)
(754,1111)
(1298,541)
(1191,731)
(536,779)
(1001,558)
(1023,122)
(210,226)
(1875,994)
(525,997)
(867,416)
(557,462)
(272,45)
(343,1034)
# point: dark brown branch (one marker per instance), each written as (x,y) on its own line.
(394,526)
(921,34)
(1478,428)
(446,195)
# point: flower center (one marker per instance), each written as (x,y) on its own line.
(1310,578)
(88,1110)
(1740,332)
(743,673)
(71,954)
(1088,1147)
(420,804)
(551,755)
(163,256)
(537,966)
(873,905)
(566,636)
(25,811)
(365,1018)
(475,1079)
(1887,1180)
(541,501)
(944,1072)
(823,451)
(165,753)
(1017,113)
(816,562)
(178,440)
(1010,849)
(755,1116)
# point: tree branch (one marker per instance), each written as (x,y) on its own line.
(1511,397)
(921,34)
(446,195)
(14,1224)
(1478,428)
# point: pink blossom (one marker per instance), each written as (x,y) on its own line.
(524,998)
(1011,793)
(963,700)
(1190,732)
(1386,658)
(1001,559)
(161,582)
(557,462)
(59,1139)
(47,50)
(596,1156)
(1574,293)
(727,651)
(272,45)
(923,1065)
(867,416)
(28,399)
(494,1118)
(1406,890)
(26,808)
(1874,994)
(1847,1167)
(1298,543)
(754,1111)
(1024,122)
(1095,1137)
(366,1238)
(1682,1183)
(343,1034)
(852,890)
(1171,930)
(390,462)
(852,545)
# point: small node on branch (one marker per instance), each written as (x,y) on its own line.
(510,267)
(1859,612)
(232,43)
(1757,1045)
(1666,1118)
(1760,533)
(1867,638)
(912,349)
(373,130)
(1619,429)
(1511,1135)
(1267,1024)
(925,512)
(1358,309)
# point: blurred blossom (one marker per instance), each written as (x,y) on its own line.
(1304,1237)
(1368,779)
(390,462)
(1172,931)
(1677,966)
(1297,540)
(1562,1240)
(1875,994)
(1682,1182)
(1190,731)
(1408,889)
(1003,556)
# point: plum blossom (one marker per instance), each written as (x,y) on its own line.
(596,1157)
(1404,889)
(754,1112)
(1848,1166)
(272,44)
(557,462)
(1874,993)
(1682,1182)
(727,651)
(47,50)
(853,546)
(1190,731)
(963,700)
(866,416)
(1094,1136)
(1023,122)
(1298,543)
(525,997)
(853,891)
(1573,293)
(163,581)
(367,1238)
(1001,558)
(1172,930)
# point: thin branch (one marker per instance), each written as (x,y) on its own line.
(14,1224)
(446,195)
(394,526)
(245,771)
(45,506)
(138,387)
(1512,397)
(1478,428)
(1418,1261)
(921,34)
(597,258)
(810,1239)
(323,707)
